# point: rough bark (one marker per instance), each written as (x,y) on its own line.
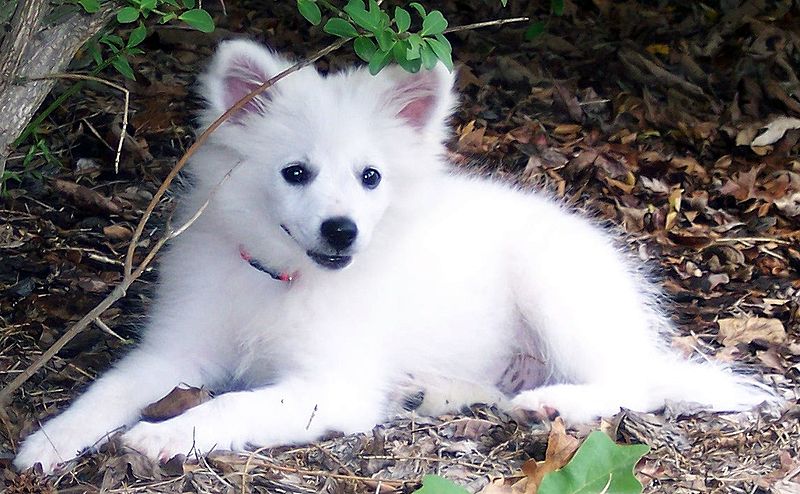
(31,49)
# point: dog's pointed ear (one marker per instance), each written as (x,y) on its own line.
(237,68)
(423,100)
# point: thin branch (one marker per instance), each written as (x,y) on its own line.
(103,326)
(480,25)
(82,77)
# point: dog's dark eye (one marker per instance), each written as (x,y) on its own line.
(370,177)
(297,174)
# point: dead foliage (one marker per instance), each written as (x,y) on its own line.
(676,121)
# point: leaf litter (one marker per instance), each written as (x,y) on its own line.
(676,122)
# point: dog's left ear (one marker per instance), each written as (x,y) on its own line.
(423,100)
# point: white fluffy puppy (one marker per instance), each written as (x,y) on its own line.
(342,262)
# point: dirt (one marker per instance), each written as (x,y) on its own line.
(674,121)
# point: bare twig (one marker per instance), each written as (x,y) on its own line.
(103,326)
(82,77)
(480,25)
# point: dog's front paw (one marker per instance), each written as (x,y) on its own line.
(58,441)
(193,432)
(160,441)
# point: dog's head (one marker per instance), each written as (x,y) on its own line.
(322,158)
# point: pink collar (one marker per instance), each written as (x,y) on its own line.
(276,275)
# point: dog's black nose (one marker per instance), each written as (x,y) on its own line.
(340,232)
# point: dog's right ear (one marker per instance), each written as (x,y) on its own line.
(237,68)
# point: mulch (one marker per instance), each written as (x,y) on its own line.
(675,121)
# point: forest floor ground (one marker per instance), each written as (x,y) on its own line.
(676,121)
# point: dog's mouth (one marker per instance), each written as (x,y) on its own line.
(329,261)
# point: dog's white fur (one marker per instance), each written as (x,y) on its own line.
(464,288)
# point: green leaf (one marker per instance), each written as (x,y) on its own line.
(534,30)
(419,8)
(599,465)
(123,67)
(137,35)
(90,6)
(189,4)
(379,60)
(365,48)
(340,27)
(414,44)
(386,39)
(175,4)
(374,9)
(402,19)
(147,5)
(442,52)
(434,23)
(433,484)
(127,14)
(310,10)
(400,54)
(112,40)
(557,6)
(443,40)
(429,58)
(198,19)
(358,13)
(168,17)
(94,51)
(504,3)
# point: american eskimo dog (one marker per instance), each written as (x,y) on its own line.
(343,264)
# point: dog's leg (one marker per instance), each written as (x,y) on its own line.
(290,412)
(581,300)
(113,401)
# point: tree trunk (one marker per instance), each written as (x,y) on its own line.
(31,49)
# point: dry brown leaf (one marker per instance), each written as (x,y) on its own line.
(471,428)
(85,198)
(117,232)
(742,185)
(567,129)
(733,331)
(470,139)
(175,403)
(772,359)
(560,449)
(691,165)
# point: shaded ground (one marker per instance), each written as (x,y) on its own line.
(644,112)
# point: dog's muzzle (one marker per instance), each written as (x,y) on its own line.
(329,261)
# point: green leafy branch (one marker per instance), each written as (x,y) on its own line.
(139,12)
(380,39)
